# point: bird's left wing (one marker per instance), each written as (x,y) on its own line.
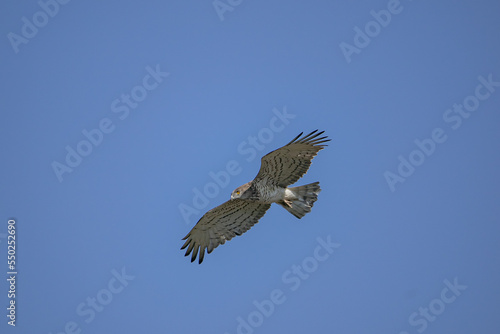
(287,164)
(222,223)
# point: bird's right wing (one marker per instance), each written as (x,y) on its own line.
(222,223)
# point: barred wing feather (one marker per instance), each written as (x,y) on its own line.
(289,163)
(222,223)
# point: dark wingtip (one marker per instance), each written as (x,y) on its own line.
(186,243)
(312,138)
(294,139)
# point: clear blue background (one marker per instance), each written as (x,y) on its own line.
(120,207)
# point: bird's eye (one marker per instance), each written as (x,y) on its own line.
(237,192)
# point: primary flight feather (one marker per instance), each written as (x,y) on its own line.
(249,202)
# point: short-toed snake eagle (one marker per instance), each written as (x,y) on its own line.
(249,202)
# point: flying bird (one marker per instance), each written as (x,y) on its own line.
(249,202)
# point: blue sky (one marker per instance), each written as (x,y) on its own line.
(115,115)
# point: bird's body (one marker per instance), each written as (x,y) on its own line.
(263,192)
(249,202)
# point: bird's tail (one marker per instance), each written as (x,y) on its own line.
(306,196)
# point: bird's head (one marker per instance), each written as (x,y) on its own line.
(242,192)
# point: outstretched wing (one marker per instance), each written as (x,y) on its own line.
(222,223)
(287,164)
